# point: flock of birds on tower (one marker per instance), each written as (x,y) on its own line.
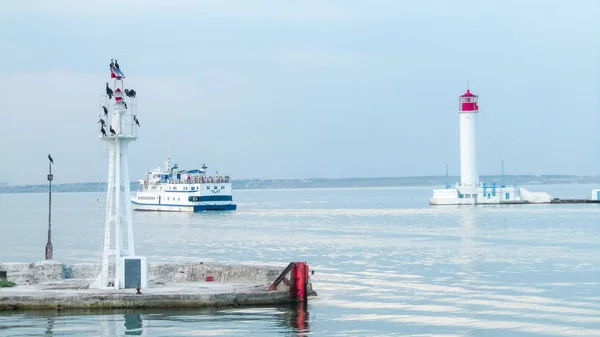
(114,65)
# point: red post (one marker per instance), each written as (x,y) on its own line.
(300,273)
(297,282)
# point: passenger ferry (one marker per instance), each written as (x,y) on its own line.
(173,190)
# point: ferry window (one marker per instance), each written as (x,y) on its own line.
(214,188)
(178,199)
(222,187)
(208,187)
(174,187)
(193,188)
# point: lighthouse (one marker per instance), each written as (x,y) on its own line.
(469,191)
(120,268)
(468,110)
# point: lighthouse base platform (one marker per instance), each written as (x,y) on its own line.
(486,195)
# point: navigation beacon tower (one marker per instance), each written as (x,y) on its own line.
(121,268)
(468,110)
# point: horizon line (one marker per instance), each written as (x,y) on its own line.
(344,178)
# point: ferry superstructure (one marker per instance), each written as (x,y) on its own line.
(173,190)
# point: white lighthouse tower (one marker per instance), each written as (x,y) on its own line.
(468,110)
(121,268)
(470,191)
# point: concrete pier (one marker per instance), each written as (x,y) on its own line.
(575,201)
(57,286)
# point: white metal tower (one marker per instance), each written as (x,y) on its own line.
(120,267)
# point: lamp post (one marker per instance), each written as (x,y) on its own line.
(49,251)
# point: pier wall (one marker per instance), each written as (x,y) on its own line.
(158,273)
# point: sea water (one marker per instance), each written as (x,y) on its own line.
(385,263)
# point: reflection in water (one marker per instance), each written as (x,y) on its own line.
(290,319)
(296,317)
(133,324)
(49,327)
(468,251)
(467,256)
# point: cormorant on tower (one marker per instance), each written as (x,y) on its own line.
(101,121)
(103,131)
(130,93)
(50,158)
(105,110)
(136,120)
(112,63)
(112,131)
(116,64)
(109,91)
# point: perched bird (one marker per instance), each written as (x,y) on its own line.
(130,93)
(112,63)
(112,131)
(116,64)
(50,158)
(101,121)
(105,111)
(103,131)
(136,120)
(125,104)
(109,91)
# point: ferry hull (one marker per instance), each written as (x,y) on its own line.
(204,208)
(182,208)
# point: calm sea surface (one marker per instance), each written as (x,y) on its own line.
(386,263)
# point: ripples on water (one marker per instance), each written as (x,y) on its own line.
(385,263)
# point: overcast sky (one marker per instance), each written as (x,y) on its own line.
(297,89)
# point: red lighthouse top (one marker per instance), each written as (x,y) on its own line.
(468,102)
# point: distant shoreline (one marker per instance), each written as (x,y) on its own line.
(253,184)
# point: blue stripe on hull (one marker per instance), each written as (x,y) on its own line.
(202,208)
(196,208)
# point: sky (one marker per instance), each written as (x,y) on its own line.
(302,89)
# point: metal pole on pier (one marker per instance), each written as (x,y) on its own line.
(49,250)
(447,186)
(502,173)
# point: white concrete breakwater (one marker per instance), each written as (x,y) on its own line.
(158,273)
(56,286)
